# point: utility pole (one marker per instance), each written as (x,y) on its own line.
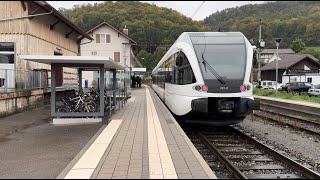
(259,53)
(277,44)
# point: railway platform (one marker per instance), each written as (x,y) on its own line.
(142,140)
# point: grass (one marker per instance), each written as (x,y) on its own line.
(285,95)
(317,130)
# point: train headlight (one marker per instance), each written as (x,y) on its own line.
(198,88)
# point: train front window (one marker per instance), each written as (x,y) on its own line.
(227,57)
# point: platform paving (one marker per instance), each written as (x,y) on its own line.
(149,144)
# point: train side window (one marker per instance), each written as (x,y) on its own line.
(185,73)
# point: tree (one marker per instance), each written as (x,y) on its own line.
(297,45)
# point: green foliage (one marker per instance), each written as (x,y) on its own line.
(297,45)
(315,51)
(149,25)
(287,20)
(285,95)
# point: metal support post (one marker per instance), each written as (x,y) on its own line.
(119,99)
(110,106)
(277,66)
(6,80)
(53,89)
(102,81)
(80,80)
(40,79)
(114,88)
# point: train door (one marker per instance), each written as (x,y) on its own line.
(170,80)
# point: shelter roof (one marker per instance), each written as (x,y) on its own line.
(76,60)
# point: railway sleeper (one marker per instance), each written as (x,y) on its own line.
(273,176)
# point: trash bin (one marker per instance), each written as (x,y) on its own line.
(86,84)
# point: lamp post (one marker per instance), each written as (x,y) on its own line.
(277,44)
(261,46)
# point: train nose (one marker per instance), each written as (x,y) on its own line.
(253,104)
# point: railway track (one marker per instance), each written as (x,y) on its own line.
(233,154)
(311,127)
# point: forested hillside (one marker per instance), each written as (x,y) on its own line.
(285,19)
(149,25)
(152,26)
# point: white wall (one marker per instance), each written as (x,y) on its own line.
(7,72)
(315,79)
(104,49)
(302,78)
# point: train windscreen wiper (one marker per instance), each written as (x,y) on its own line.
(207,65)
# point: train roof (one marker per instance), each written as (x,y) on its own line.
(197,38)
(211,37)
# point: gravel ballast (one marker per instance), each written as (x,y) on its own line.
(304,147)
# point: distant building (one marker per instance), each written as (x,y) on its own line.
(291,65)
(108,41)
(268,55)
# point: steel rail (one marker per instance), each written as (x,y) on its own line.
(289,124)
(280,157)
(292,109)
(292,117)
(232,168)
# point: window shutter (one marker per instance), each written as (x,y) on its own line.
(117,56)
(97,38)
(108,39)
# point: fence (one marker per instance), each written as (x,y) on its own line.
(15,80)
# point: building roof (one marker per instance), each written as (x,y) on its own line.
(62,18)
(288,60)
(280,51)
(112,27)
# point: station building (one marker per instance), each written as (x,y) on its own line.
(33,28)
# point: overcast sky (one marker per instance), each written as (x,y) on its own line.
(187,8)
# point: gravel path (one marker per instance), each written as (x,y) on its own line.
(294,144)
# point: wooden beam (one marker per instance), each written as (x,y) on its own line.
(23,5)
(67,35)
(52,25)
(33,12)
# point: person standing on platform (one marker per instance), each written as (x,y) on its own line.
(133,81)
(139,81)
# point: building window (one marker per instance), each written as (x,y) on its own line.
(97,38)
(309,80)
(108,38)
(7,53)
(94,53)
(116,56)
(103,38)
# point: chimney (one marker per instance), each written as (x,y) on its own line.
(125,30)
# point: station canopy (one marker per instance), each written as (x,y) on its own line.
(76,60)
